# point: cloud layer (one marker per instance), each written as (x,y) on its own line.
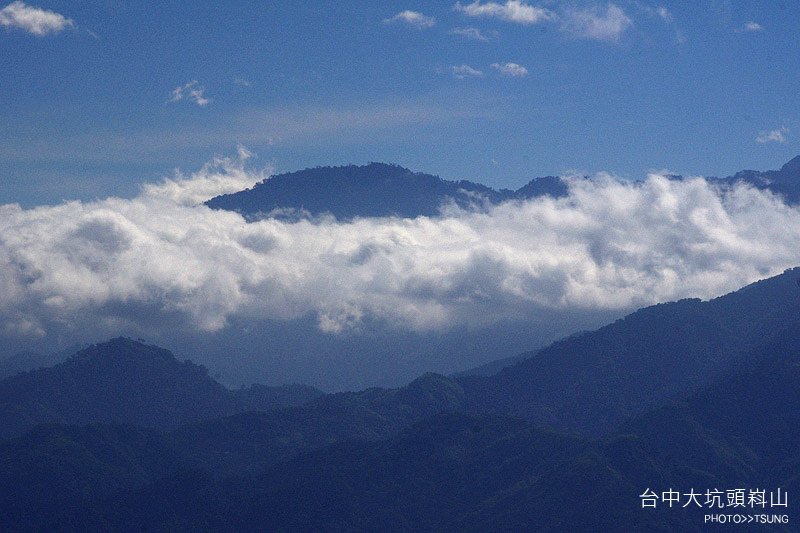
(162,259)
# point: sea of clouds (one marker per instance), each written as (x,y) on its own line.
(163,259)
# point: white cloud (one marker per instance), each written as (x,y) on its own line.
(776,135)
(465,71)
(412,18)
(597,24)
(191,91)
(752,27)
(513,70)
(242,82)
(33,20)
(512,11)
(470,33)
(221,176)
(163,259)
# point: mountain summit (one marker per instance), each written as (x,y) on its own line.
(373,190)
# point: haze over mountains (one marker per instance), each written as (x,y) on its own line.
(681,395)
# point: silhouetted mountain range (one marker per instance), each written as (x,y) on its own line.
(380,189)
(688,395)
(127,382)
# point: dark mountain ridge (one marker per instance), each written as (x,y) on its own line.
(784,182)
(127,382)
(589,383)
(380,190)
(373,190)
(446,472)
(235,444)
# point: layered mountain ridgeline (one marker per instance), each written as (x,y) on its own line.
(379,189)
(690,395)
(587,383)
(83,466)
(240,443)
(446,472)
(373,190)
(125,381)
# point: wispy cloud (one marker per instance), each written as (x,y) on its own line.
(192,91)
(595,23)
(465,71)
(412,18)
(777,135)
(304,125)
(33,20)
(242,82)
(470,33)
(513,70)
(751,27)
(664,14)
(344,124)
(512,11)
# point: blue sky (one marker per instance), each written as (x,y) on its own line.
(98,97)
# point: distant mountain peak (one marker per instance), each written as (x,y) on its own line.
(129,382)
(792,166)
(372,190)
(123,347)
